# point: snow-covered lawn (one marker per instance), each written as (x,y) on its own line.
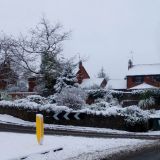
(14,146)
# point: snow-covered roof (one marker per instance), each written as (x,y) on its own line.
(116,84)
(143,86)
(144,69)
(88,83)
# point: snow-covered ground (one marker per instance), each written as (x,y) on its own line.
(14,146)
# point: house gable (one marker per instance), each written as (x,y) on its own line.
(144,73)
(82,73)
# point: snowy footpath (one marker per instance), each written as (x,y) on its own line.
(14,146)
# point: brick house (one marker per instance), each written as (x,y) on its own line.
(143,76)
(82,73)
(82,77)
(86,81)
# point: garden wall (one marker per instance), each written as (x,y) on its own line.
(86,119)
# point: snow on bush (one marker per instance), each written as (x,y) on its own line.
(109,98)
(33,98)
(51,99)
(145,103)
(147,99)
(67,77)
(71,97)
(99,105)
(103,105)
(155,91)
(40,87)
(22,103)
(131,114)
(34,106)
(96,93)
(134,115)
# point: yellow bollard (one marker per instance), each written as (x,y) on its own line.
(39,128)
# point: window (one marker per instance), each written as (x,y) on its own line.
(157,78)
(138,79)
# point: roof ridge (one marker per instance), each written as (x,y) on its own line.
(146,64)
(116,79)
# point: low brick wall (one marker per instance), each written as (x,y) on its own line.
(87,120)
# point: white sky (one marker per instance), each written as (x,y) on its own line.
(105,31)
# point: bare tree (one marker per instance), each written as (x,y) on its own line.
(44,40)
(8,71)
(43,43)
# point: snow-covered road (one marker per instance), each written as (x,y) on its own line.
(14,146)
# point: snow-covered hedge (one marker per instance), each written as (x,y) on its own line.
(102,108)
(34,106)
(71,97)
(134,115)
(146,103)
(97,93)
(135,92)
(33,98)
(69,101)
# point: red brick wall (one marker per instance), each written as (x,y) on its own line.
(150,81)
(32,84)
(82,73)
(147,79)
(130,82)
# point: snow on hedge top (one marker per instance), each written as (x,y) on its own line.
(88,83)
(143,86)
(155,114)
(132,114)
(32,105)
(144,69)
(116,84)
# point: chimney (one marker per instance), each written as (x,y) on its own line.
(130,64)
(80,64)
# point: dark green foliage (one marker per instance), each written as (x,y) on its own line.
(95,94)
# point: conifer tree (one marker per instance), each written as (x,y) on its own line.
(67,78)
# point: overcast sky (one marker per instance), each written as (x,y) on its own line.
(104,31)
